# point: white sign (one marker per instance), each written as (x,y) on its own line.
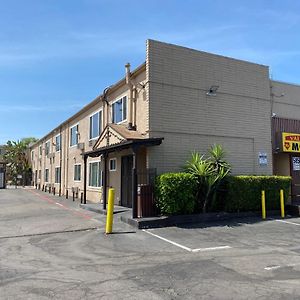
(19,176)
(296,163)
(262,158)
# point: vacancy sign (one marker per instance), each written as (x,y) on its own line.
(290,142)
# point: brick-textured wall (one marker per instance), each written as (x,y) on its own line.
(179,109)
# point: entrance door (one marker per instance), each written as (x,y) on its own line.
(126,181)
(295,173)
(2,178)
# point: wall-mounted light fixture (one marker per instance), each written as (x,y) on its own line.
(212,90)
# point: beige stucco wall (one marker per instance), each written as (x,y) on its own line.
(72,155)
(238,116)
(286,99)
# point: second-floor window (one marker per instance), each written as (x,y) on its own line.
(74,135)
(40,150)
(95,125)
(47,148)
(58,143)
(119,110)
(32,155)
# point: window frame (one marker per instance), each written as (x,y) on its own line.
(76,180)
(70,137)
(49,150)
(60,139)
(100,112)
(46,178)
(112,110)
(115,160)
(100,173)
(40,150)
(55,181)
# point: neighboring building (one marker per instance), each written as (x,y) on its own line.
(178,101)
(2,167)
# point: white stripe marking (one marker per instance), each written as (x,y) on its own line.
(168,241)
(58,204)
(211,249)
(272,268)
(187,248)
(287,222)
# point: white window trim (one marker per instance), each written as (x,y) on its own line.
(39,150)
(115,159)
(47,181)
(79,164)
(49,147)
(90,186)
(77,124)
(116,100)
(96,137)
(55,174)
(60,142)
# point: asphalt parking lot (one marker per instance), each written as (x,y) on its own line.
(52,249)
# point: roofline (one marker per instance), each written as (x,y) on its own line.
(210,53)
(284,82)
(112,89)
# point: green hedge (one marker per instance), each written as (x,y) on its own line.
(244,192)
(176,193)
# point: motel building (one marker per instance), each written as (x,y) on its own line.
(177,101)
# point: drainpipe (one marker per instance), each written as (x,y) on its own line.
(130,98)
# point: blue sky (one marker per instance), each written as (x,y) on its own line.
(58,55)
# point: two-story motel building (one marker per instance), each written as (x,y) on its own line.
(178,101)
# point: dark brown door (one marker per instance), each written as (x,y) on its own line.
(126,181)
(295,173)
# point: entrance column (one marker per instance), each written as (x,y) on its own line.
(104,194)
(134,182)
(84,178)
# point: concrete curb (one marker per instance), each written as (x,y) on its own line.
(167,221)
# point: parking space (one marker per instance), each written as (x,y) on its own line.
(245,234)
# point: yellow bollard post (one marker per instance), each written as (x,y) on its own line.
(110,211)
(263,204)
(282,204)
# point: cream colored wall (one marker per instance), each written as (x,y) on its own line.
(72,155)
(285,99)
(238,116)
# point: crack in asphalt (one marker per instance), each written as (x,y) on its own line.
(47,233)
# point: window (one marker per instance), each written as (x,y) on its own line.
(47,148)
(77,172)
(119,110)
(95,174)
(32,155)
(40,150)
(74,135)
(57,175)
(113,164)
(58,143)
(40,174)
(46,175)
(95,125)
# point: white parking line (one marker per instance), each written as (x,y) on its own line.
(288,222)
(58,204)
(187,248)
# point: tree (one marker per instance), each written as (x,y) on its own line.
(17,159)
(210,173)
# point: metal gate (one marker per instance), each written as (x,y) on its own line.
(145,193)
(2,176)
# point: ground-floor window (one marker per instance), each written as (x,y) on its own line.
(40,174)
(77,172)
(57,175)
(46,175)
(95,174)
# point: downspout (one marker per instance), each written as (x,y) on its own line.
(130,98)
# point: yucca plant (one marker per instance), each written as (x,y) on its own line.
(210,173)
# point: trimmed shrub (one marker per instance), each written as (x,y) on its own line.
(244,192)
(176,193)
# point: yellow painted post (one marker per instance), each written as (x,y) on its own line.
(282,204)
(110,211)
(263,204)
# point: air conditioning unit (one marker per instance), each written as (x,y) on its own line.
(92,143)
(80,146)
